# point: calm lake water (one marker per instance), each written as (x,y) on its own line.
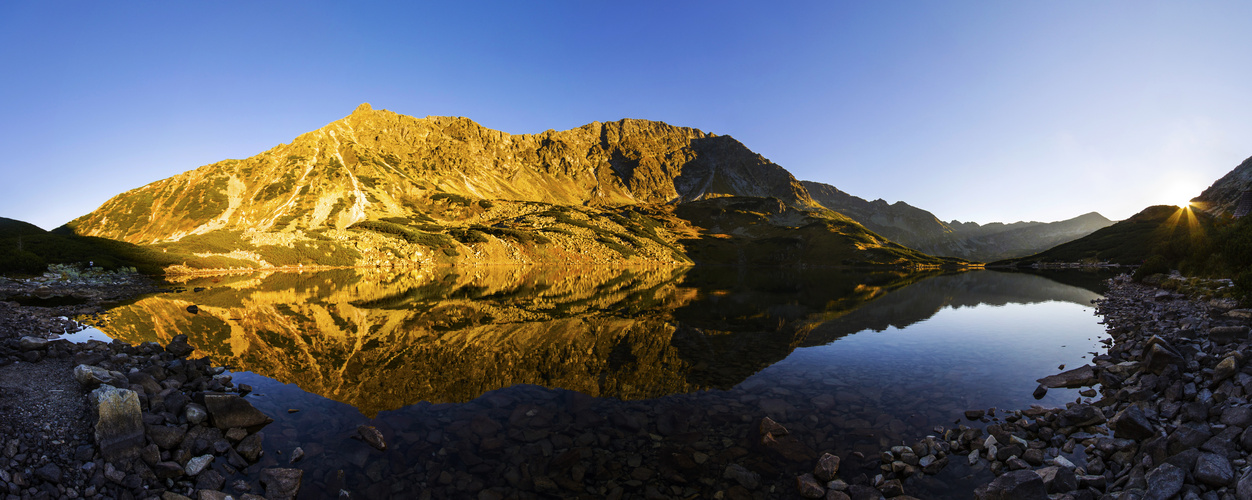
(590,383)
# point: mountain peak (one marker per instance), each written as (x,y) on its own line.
(363,108)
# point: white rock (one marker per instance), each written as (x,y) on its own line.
(198,464)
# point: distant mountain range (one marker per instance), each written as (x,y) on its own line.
(380,188)
(916,228)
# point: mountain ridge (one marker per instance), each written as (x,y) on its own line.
(919,229)
(380,188)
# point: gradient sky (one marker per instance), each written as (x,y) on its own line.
(982,111)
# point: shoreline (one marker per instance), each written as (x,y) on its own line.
(1055,446)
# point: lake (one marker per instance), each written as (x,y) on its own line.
(531,382)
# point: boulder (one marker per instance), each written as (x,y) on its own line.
(1164,482)
(1160,355)
(32,344)
(1213,470)
(229,410)
(1223,335)
(119,423)
(743,476)
(1082,376)
(1227,368)
(250,448)
(280,483)
(809,487)
(167,437)
(1058,479)
(197,465)
(1131,423)
(179,346)
(1081,415)
(372,436)
(1238,416)
(827,467)
(92,377)
(196,414)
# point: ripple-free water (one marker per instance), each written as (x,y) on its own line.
(505,380)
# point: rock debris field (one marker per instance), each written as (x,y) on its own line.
(1166,414)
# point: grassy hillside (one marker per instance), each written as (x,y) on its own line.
(28,249)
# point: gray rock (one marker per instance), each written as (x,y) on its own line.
(1223,335)
(1213,470)
(1160,355)
(743,476)
(50,473)
(1164,482)
(1081,415)
(179,346)
(1227,368)
(250,448)
(1190,435)
(167,437)
(1058,479)
(1238,416)
(92,377)
(196,465)
(119,424)
(195,413)
(167,470)
(229,410)
(1078,377)
(1243,490)
(1131,423)
(1015,485)
(32,344)
(281,484)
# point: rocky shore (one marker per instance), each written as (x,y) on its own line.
(1170,419)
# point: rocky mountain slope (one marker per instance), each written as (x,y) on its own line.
(380,188)
(1223,195)
(919,229)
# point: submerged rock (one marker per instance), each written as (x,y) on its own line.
(230,410)
(1078,377)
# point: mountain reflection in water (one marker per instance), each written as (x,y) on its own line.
(380,340)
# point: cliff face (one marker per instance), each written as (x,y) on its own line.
(1222,197)
(919,229)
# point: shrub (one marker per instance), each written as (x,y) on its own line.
(1156,264)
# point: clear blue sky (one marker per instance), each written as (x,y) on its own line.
(983,111)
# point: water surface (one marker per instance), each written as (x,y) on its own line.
(588,382)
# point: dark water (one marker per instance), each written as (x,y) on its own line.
(645,382)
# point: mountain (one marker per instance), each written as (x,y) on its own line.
(1222,197)
(12,228)
(380,188)
(921,230)
(1130,242)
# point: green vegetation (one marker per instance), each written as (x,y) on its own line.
(441,242)
(452,199)
(24,252)
(1156,230)
(1164,238)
